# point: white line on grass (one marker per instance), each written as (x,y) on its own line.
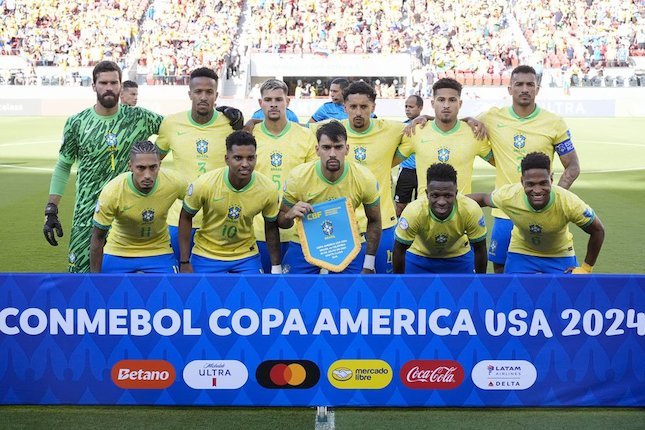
(42,142)
(39,169)
(631,169)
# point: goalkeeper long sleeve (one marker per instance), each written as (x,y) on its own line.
(60,177)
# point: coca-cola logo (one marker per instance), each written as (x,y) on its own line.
(432,374)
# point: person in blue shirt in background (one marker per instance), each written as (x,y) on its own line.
(334,109)
(406,183)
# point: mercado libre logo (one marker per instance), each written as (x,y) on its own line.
(143,374)
(360,374)
(504,374)
(432,374)
(287,374)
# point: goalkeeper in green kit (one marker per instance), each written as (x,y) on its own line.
(99,139)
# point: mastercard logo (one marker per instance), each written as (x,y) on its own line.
(287,374)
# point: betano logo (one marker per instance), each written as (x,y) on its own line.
(287,374)
(504,374)
(143,374)
(432,374)
(360,374)
(215,374)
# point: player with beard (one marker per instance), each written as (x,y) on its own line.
(99,139)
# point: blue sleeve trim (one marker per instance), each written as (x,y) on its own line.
(588,223)
(287,202)
(100,226)
(371,205)
(271,219)
(479,239)
(403,241)
(189,209)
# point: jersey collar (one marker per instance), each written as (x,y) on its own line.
(136,190)
(196,124)
(359,133)
(450,217)
(284,131)
(232,188)
(327,181)
(545,208)
(453,130)
(533,114)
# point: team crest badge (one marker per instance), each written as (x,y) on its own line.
(360,153)
(519,141)
(148,215)
(276,159)
(202,146)
(111,141)
(234,212)
(588,213)
(443,154)
(493,247)
(535,229)
(441,239)
(72,258)
(327,227)
(403,224)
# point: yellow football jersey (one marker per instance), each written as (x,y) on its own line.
(512,137)
(435,238)
(543,233)
(196,149)
(138,220)
(457,147)
(227,227)
(277,155)
(306,183)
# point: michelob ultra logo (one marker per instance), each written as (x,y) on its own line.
(360,374)
(143,374)
(287,374)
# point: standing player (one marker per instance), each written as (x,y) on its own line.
(446,139)
(326,179)
(282,145)
(516,131)
(406,182)
(196,138)
(129,93)
(541,212)
(135,205)
(440,229)
(230,197)
(100,139)
(335,109)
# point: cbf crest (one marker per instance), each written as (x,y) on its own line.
(519,141)
(276,159)
(202,146)
(234,212)
(443,154)
(535,229)
(148,215)
(111,141)
(441,239)
(327,227)
(360,153)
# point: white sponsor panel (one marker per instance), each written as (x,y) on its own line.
(215,374)
(504,374)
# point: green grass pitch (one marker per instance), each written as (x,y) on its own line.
(612,156)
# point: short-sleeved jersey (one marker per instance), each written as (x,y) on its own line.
(543,233)
(375,149)
(512,137)
(227,227)
(277,155)
(330,110)
(457,147)
(101,146)
(196,149)
(138,220)
(307,183)
(435,238)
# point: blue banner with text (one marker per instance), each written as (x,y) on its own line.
(273,340)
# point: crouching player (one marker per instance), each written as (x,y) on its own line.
(540,211)
(435,233)
(133,207)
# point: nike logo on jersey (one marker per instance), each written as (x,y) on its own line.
(127,208)
(181,133)
(311,194)
(217,199)
(501,125)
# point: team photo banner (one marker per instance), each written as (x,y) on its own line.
(342,340)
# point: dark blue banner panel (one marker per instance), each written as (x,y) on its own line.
(322,340)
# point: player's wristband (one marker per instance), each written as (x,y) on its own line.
(185,262)
(369,262)
(276,269)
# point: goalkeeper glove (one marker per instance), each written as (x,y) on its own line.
(52,224)
(585,269)
(234,116)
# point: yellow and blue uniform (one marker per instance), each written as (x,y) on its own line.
(137,221)
(277,155)
(196,149)
(541,236)
(226,236)
(307,183)
(513,137)
(457,147)
(440,246)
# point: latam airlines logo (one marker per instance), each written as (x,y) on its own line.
(287,374)
(215,374)
(143,374)
(504,375)
(360,374)
(432,374)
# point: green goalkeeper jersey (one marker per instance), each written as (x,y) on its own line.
(101,146)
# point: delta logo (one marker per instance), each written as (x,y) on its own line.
(432,374)
(359,374)
(504,375)
(215,374)
(287,374)
(143,374)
